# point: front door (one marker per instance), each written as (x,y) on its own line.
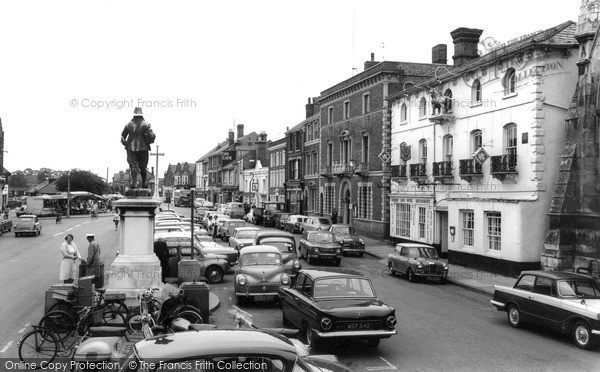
(444,232)
(346,207)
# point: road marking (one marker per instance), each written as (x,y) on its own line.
(389,366)
(86,222)
(57,234)
(69,229)
(76,226)
(6,347)
(24,328)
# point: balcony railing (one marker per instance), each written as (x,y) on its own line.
(503,166)
(326,171)
(398,171)
(442,168)
(341,169)
(362,169)
(418,170)
(469,167)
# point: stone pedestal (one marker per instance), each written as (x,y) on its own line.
(136,267)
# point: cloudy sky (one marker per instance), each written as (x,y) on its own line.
(72,71)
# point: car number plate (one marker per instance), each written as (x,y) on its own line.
(366,325)
(263,298)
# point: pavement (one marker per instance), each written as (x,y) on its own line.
(466,277)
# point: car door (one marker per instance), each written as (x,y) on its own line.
(523,291)
(394,259)
(545,304)
(290,300)
(402,260)
(303,242)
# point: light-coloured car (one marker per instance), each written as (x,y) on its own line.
(417,261)
(227,228)
(234,210)
(28,224)
(243,236)
(315,223)
(292,224)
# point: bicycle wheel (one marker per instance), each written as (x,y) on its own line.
(64,306)
(38,346)
(134,320)
(191,316)
(118,307)
(112,317)
(60,322)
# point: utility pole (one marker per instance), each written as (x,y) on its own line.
(68,194)
(157,154)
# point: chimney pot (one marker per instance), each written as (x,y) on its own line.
(439,54)
(465,44)
(240,130)
(310,108)
(231,138)
(371,63)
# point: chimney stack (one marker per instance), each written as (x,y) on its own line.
(371,63)
(231,136)
(465,44)
(439,54)
(310,109)
(240,130)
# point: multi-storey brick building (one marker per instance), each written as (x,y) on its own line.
(573,236)
(294,175)
(355,143)
(312,147)
(476,149)
(277,166)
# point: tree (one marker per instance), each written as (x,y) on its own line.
(81,180)
(17,180)
(44,173)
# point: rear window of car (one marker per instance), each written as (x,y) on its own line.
(284,245)
(27,219)
(526,283)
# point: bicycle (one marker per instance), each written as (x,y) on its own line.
(112,305)
(56,335)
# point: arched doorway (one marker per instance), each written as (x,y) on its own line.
(345,197)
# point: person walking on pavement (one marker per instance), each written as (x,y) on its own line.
(93,258)
(215,227)
(161,250)
(69,270)
(116,219)
(137,137)
(334,216)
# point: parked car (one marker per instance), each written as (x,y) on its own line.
(235,210)
(328,306)
(315,223)
(286,243)
(209,205)
(348,239)
(565,302)
(213,267)
(257,214)
(269,210)
(417,261)
(198,202)
(280,218)
(259,275)
(168,228)
(226,229)
(292,224)
(243,236)
(28,224)
(248,350)
(320,245)
(5,225)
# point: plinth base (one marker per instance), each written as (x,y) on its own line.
(132,274)
(138,193)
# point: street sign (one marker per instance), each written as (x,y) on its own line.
(254,186)
(481,156)
(384,156)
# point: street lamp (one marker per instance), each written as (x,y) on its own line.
(68,194)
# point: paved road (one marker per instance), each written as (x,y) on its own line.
(441,327)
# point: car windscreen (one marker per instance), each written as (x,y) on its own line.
(324,221)
(250,234)
(342,230)
(260,258)
(344,287)
(321,238)
(26,219)
(284,245)
(578,289)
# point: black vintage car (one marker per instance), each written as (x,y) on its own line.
(286,243)
(336,305)
(348,239)
(320,245)
(565,302)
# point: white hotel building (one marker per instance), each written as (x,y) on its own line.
(508,106)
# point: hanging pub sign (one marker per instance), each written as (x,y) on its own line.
(404,152)
(481,156)
(227,157)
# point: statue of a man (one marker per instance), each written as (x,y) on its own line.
(137,137)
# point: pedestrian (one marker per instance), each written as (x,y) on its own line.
(161,250)
(6,212)
(93,258)
(334,216)
(116,219)
(95,210)
(58,212)
(215,227)
(69,269)
(137,137)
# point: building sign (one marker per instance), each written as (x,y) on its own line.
(384,156)
(404,152)
(481,156)
(227,157)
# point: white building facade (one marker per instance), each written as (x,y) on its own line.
(476,151)
(254,184)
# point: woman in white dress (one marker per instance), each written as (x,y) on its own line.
(69,270)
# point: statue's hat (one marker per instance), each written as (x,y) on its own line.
(138,112)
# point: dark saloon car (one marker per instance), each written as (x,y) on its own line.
(259,274)
(348,239)
(223,350)
(320,245)
(286,243)
(565,302)
(293,222)
(280,218)
(5,225)
(328,306)
(416,261)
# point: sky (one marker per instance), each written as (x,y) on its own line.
(72,72)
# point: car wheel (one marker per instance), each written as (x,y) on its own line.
(360,254)
(410,274)
(312,340)
(391,269)
(338,261)
(514,316)
(373,342)
(582,335)
(214,274)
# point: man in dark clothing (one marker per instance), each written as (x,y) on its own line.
(334,216)
(93,258)
(161,250)
(137,137)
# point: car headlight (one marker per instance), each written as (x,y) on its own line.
(285,280)
(339,240)
(361,241)
(296,264)
(316,250)
(391,321)
(420,265)
(242,280)
(338,251)
(326,324)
